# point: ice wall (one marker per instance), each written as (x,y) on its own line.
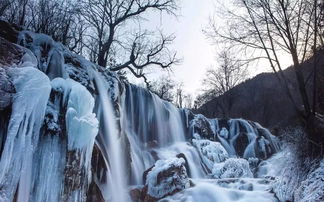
(47,149)
(28,110)
(78,133)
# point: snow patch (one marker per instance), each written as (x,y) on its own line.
(232,168)
(312,189)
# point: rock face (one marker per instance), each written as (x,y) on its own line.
(9,53)
(165,178)
(6,90)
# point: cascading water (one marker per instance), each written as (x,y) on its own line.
(142,140)
(151,118)
(154,126)
(111,144)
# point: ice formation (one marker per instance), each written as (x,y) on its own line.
(210,152)
(88,134)
(28,110)
(239,137)
(232,168)
(81,123)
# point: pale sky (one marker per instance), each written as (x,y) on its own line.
(191,44)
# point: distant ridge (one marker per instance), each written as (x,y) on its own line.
(263,98)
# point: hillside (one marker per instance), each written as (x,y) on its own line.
(264,99)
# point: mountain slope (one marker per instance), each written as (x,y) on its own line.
(263,98)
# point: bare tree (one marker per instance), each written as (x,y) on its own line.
(188,101)
(4,5)
(108,18)
(273,28)
(179,92)
(204,97)
(229,73)
(163,87)
(170,90)
(223,77)
(58,18)
(14,11)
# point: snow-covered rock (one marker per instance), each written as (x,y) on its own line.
(167,177)
(201,125)
(11,54)
(232,168)
(312,188)
(210,152)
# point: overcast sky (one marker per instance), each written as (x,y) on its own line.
(191,44)
(196,51)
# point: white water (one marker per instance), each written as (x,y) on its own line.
(152,119)
(113,145)
(149,123)
(156,130)
(215,191)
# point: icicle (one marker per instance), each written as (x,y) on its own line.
(81,128)
(28,110)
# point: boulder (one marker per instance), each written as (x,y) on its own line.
(165,178)
(10,54)
(202,126)
(9,31)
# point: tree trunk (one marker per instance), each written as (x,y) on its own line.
(104,51)
(301,84)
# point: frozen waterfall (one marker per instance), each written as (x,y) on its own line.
(22,135)
(76,132)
